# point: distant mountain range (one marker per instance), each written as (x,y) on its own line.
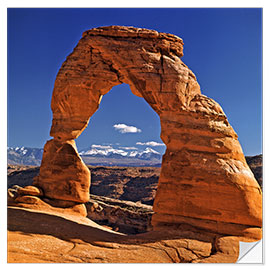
(106,155)
(24,156)
(94,155)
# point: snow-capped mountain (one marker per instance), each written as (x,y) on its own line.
(126,152)
(24,155)
(94,155)
(120,156)
(147,154)
(103,152)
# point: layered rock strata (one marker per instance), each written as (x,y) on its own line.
(205,180)
(121,216)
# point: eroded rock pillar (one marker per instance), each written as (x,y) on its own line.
(63,175)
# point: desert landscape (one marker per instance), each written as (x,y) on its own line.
(195,208)
(123,196)
(121,201)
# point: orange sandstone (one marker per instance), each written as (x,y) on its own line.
(204,179)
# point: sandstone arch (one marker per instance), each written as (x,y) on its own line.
(204,180)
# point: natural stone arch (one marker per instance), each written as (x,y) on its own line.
(204,179)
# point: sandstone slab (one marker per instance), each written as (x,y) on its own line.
(54,237)
(48,206)
(30,190)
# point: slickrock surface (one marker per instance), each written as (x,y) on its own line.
(44,237)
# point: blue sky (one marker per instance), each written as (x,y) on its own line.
(223,47)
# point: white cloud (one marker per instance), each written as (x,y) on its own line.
(152,143)
(123,128)
(101,146)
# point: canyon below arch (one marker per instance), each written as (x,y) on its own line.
(207,198)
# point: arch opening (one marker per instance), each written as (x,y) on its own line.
(137,144)
(121,106)
(124,162)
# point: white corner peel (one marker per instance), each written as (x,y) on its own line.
(250,252)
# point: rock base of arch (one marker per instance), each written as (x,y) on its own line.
(24,198)
(63,175)
(164,222)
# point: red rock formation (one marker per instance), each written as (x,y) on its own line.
(63,175)
(204,179)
